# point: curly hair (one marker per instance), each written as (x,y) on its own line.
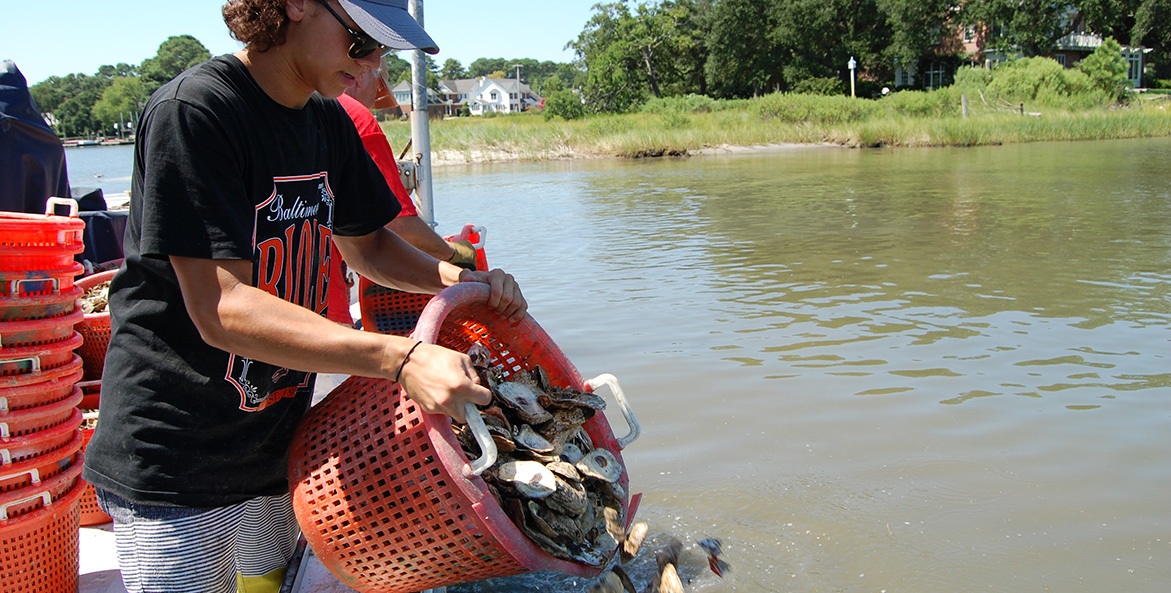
(258,23)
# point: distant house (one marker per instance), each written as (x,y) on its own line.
(480,95)
(969,43)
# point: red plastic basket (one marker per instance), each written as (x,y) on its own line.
(39,306)
(389,311)
(22,501)
(91,513)
(39,550)
(40,242)
(38,394)
(91,394)
(95,328)
(16,449)
(31,471)
(31,379)
(14,283)
(476,235)
(18,423)
(384,493)
(35,332)
(35,359)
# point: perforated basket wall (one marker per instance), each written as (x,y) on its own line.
(39,550)
(375,500)
(35,332)
(383,492)
(389,311)
(39,306)
(15,423)
(394,312)
(14,283)
(95,328)
(91,513)
(33,470)
(19,448)
(35,359)
(36,394)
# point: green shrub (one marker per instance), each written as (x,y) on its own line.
(793,108)
(1106,68)
(564,104)
(690,103)
(820,86)
(945,102)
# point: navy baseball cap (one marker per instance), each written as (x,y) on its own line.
(389,22)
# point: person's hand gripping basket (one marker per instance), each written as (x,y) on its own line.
(383,492)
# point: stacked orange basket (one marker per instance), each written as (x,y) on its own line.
(40,440)
(384,493)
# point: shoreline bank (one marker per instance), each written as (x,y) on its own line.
(447,158)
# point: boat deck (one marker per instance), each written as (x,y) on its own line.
(98,567)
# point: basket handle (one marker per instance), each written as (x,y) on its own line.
(44,495)
(480,431)
(34,475)
(483,233)
(14,286)
(52,203)
(34,361)
(612,382)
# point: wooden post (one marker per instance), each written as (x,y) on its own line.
(964,104)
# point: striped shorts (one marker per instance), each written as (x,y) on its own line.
(244,547)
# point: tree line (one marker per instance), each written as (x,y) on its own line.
(631,51)
(110,101)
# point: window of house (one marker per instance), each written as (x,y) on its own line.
(495,96)
(934,76)
(1060,59)
(969,33)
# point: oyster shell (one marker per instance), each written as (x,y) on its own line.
(528,438)
(523,399)
(571,398)
(602,465)
(530,478)
(571,498)
(565,470)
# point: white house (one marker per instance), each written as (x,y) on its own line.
(481,95)
(501,95)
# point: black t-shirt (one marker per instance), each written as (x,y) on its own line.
(221,171)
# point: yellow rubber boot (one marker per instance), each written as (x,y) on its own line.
(269,583)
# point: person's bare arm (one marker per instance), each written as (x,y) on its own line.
(417,232)
(239,318)
(390,261)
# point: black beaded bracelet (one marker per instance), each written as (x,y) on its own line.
(404,362)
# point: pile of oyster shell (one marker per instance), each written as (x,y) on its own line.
(96,298)
(549,477)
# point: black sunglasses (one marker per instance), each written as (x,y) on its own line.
(363,44)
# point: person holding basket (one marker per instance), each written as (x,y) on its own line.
(246,172)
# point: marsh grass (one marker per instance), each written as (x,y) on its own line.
(692,124)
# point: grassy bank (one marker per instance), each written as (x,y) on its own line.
(685,127)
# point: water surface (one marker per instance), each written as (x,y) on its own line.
(869,370)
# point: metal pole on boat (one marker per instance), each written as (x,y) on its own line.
(420,129)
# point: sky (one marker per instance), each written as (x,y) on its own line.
(62,37)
